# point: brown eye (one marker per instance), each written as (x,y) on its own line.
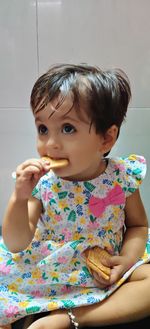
(68,129)
(42,130)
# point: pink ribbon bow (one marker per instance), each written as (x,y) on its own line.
(115,197)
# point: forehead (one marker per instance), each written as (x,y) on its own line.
(61,107)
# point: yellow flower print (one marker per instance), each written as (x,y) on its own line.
(77,189)
(90,236)
(132,157)
(55,188)
(16,257)
(74,260)
(108,247)
(82,220)
(62,204)
(50,213)
(77,236)
(88,211)
(13,287)
(33,257)
(46,224)
(79,199)
(116,212)
(31,282)
(36,274)
(55,275)
(19,280)
(23,304)
(108,227)
(58,244)
(73,277)
(52,306)
(121,160)
(37,234)
(85,291)
(4,300)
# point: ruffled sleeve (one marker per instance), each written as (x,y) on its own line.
(131,172)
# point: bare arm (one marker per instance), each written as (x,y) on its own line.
(20,222)
(136,228)
(23,210)
(134,241)
(135,237)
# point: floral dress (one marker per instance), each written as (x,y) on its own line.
(52,273)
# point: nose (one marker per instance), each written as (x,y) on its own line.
(53,143)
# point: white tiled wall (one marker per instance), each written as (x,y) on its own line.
(35,34)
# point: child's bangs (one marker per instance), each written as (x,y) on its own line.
(73,88)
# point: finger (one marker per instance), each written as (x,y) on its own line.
(100,280)
(30,171)
(20,169)
(116,273)
(32,166)
(115,260)
(114,276)
(100,284)
(25,164)
(28,174)
(106,261)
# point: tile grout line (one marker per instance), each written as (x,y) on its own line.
(37,37)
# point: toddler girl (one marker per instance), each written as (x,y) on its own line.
(55,216)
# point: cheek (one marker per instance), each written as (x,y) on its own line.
(40,147)
(86,152)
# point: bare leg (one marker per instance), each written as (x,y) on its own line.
(59,320)
(129,303)
(6,327)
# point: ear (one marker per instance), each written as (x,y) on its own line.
(110,138)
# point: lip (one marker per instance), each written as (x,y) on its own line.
(57,158)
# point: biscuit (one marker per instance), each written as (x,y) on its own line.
(94,260)
(56,163)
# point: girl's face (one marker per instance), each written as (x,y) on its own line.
(63,133)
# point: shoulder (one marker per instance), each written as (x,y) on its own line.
(129,171)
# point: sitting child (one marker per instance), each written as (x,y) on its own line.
(57,214)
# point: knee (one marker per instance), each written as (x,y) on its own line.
(38,324)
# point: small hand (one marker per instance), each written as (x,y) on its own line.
(27,175)
(119,265)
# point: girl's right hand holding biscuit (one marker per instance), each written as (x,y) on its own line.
(27,176)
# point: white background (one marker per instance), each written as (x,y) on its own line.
(35,34)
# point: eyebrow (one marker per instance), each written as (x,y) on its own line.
(38,119)
(68,117)
(64,117)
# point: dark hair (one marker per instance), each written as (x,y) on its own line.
(105,95)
